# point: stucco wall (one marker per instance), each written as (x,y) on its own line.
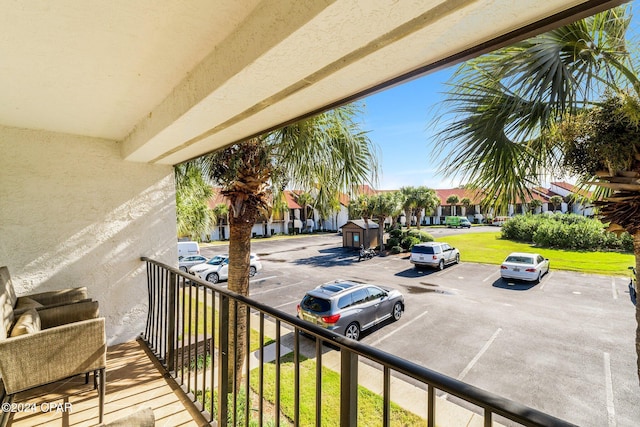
(73,213)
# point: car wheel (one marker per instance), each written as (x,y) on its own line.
(183,268)
(252,271)
(539,277)
(397,311)
(441,265)
(352,331)
(213,277)
(457,258)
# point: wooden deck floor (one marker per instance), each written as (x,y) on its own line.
(133,381)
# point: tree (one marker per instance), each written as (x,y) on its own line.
(508,106)
(305,200)
(453,200)
(534,205)
(363,208)
(384,205)
(502,108)
(555,201)
(466,202)
(408,199)
(193,214)
(424,198)
(328,152)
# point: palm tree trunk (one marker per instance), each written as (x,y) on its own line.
(407,218)
(239,254)
(381,234)
(636,252)
(418,218)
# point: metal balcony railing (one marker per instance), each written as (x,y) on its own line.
(188,331)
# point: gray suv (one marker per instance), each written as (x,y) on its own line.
(433,254)
(348,308)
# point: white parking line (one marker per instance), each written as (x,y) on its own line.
(614,290)
(379,340)
(611,413)
(446,270)
(285,304)
(490,276)
(546,280)
(274,289)
(466,370)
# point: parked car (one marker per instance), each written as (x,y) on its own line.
(217,268)
(433,254)
(524,266)
(189,261)
(188,248)
(349,308)
(500,220)
(457,221)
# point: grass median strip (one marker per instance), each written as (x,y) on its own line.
(490,248)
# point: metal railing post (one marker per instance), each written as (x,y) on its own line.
(171,322)
(223,361)
(348,388)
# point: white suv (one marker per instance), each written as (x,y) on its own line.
(433,254)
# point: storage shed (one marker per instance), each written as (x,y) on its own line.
(353,234)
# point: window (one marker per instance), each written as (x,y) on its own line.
(344,301)
(375,293)
(360,296)
(423,249)
(319,305)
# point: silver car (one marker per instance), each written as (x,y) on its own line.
(190,260)
(434,254)
(348,308)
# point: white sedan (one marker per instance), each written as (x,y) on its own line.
(524,266)
(217,268)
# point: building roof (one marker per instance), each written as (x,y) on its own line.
(474,195)
(573,189)
(360,223)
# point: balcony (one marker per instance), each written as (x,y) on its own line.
(177,361)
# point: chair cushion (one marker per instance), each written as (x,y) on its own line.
(27,323)
(26,303)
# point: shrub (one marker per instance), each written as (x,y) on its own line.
(396,250)
(408,242)
(393,241)
(396,233)
(422,236)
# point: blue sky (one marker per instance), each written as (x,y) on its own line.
(399,121)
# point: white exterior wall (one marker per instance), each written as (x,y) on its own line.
(73,213)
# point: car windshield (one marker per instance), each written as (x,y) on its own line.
(422,249)
(216,260)
(520,259)
(319,305)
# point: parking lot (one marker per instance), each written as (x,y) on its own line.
(564,346)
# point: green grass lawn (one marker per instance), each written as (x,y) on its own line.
(489,248)
(369,404)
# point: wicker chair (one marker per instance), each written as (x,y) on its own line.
(42,345)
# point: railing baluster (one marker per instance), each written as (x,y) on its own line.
(223,361)
(348,388)
(261,372)
(296,377)
(277,385)
(431,406)
(386,399)
(487,417)
(171,321)
(318,382)
(247,394)
(235,390)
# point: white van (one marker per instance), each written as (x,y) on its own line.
(188,248)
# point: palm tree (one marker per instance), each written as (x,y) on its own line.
(305,200)
(466,202)
(408,203)
(425,198)
(221,214)
(453,200)
(555,201)
(193,214)
(506,108)
(328,152)
(502,108)
(384,205)
(534,205)
(363,207)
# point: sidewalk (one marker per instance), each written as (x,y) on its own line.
(407,396)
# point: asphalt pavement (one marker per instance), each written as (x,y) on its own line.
(564,346)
